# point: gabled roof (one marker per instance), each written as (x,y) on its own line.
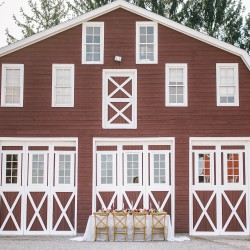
(132,8)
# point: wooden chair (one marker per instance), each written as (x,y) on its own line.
(159,224)
(139,224)
(101,224)
(120,224)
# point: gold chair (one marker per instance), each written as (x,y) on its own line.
(120,224)
(139,224)
(101,224)
(159,224)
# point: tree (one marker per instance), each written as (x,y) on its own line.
(44,16)
(167,8)
(222,19)
(246,34)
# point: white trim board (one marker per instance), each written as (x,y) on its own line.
(134,9)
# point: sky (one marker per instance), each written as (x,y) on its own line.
(11,7)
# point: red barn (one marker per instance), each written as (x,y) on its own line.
(122,107)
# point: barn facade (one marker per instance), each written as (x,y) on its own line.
(123,108)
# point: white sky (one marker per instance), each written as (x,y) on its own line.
(11,7)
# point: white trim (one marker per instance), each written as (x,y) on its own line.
(183,66)
(233,66)
(134,9)
(5,67)
(93,24)
(71,67)
(107,98)
(146,24)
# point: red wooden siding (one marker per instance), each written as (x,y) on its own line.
(201,118)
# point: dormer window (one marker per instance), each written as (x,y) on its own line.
(146,43)
(93,43)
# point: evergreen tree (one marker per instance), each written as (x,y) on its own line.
(221,19)
(44,16)
(246,35)
(167,8)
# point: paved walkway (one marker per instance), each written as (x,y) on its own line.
(64,243)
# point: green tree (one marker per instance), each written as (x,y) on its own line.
(45,15)
(167,8)
(246,35)
(222,19)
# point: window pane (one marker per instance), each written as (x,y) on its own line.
(64,169)
(204,166)
(132,168)
(106,169)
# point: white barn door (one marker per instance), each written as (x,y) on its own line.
(133,173)
(219,196)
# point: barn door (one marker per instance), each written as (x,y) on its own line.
(38,188)
(133,174)
(219,197)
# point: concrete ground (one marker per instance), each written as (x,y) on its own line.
(64,243)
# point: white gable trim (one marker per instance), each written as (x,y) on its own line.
(134,9)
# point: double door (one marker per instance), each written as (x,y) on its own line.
(37,188)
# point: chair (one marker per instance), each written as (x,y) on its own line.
(101,224)
(159,224)
(120,224)
(139,224)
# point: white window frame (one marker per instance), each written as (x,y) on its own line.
(183,66)
(234,66)
(146,24)
(140,168)
(71,67)
(230,184)
(72,172)
(92,24)
(5,153)
(196,168)
(107,99)
(5,67)
(45,173)
(152,167)
(99,174)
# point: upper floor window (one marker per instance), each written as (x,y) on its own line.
(227,84)
(146,42)
(93,43)
(12,85)
(63,85)
(176,85)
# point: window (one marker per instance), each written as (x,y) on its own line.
(176,85)
(63,85)
(227,84)
(233,168)
(12,85)
(11,172)
(204,168)
(65,167)
(93,43)
(159,168)
(146,42)
(106,168)
(38,163)
(133,168)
